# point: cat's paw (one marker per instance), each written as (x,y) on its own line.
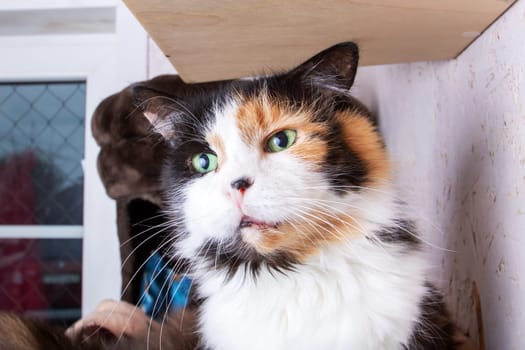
(117,318)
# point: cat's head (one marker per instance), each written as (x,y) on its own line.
(264,172)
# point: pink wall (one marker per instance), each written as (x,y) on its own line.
(456,132)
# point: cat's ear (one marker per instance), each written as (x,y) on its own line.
(157,107)
(333,68)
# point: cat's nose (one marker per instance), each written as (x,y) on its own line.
(242,184)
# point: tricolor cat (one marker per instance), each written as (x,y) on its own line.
(287,213)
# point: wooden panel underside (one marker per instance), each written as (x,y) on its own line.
(214,40)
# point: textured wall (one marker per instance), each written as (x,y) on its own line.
(456,131)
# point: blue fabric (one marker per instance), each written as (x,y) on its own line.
(162,289)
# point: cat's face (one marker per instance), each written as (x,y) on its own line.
(264,172)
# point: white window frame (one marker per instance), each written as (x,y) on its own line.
(107,63)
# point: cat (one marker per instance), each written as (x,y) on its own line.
(284,208)
(287,213)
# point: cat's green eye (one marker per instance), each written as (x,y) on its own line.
(204,162)
(281,140)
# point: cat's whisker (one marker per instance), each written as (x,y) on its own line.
(350,224)
(167,311)
(413,209)
(187,303)
(330,215)
(293,221)
(323,221)
(316,226)
(416,236)
(353,222)
(153,312)
(156,268)
(179,103)
(162,287)
(143,232)
(217,253)
(147,219)
(312,223)
(302,234)
(146,230)
(167,242)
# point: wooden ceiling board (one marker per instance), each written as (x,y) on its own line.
(215,40)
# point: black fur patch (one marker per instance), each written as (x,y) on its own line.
(235,254)
(434,330)
(147,234)
(402,232)
(342,166)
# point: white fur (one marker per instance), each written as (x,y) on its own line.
(358,294)
(354,298)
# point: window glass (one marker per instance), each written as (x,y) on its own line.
(41,149)
(41,278)
(41,185)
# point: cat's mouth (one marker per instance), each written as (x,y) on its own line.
(248,221)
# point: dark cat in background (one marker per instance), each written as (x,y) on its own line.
(283,207)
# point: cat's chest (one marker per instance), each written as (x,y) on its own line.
(352,306)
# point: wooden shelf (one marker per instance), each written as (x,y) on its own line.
(213,40)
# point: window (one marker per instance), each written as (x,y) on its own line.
(103,55)
(41,198)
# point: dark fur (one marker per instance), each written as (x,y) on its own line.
(350,170)
(19,333)
(403,233)
(435,330)
(237,254)
(30,334)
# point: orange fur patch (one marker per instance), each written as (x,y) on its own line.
(362,137)
(258,119)
(303,239)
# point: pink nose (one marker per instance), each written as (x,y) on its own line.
(238,188)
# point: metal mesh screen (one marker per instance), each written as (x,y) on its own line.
(41,149)
(41,183)
(41,278)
